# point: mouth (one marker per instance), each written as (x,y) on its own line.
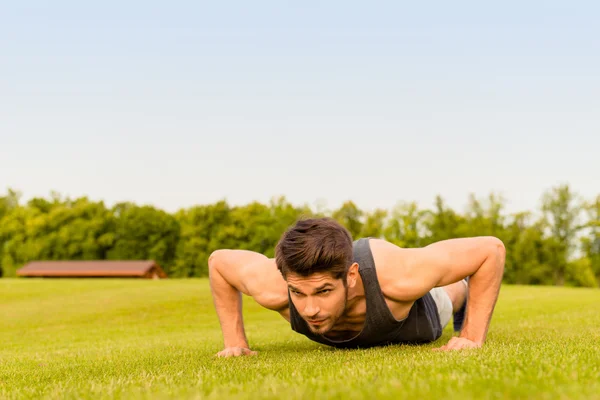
(317,322)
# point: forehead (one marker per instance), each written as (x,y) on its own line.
(317,279)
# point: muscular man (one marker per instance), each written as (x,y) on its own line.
(363,293)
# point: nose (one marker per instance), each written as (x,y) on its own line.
(311,309)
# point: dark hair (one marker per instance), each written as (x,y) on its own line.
(315,245)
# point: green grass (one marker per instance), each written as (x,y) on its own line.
(72,339)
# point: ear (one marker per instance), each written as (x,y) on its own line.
(352,276)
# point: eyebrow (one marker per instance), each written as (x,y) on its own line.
(324,286)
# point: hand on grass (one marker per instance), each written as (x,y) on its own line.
(236,352)
(458,343)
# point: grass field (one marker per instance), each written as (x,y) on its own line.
(68,339)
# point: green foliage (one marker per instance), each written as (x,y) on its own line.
(442,223)
(562,209)
(9,202)
(57,230)
(527,255)
(406,226)
(350,216)
(591,241)
(374,224)
(482,220)
(17,248)
(580,273)
(200,227)
(143,233)
(559,247)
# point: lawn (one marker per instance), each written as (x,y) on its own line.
(73,339)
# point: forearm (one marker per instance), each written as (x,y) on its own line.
(484,286)
(228,305)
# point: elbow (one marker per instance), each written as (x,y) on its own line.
(500,248)
(498,252)
(214,260)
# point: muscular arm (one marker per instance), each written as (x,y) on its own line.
(233,272)
(482,259)
(449,261)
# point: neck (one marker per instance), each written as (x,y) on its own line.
(355,294)
(350,323)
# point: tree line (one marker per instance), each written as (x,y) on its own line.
(559,244)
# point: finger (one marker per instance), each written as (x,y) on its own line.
(249,352)
(451,346)
(442,348)
(470,345)
(455,345)
(448,346)
(237,351)
(222,353)
(234,352)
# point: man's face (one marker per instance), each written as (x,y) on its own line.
(320,299)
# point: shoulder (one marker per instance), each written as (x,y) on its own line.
(269,289)
(397,270)
(408,273)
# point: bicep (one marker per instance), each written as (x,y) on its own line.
(265,284)
(253,274)
(440,264)
(451,260)
(230,265)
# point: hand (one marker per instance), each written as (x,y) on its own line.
(459,343)
(236,352)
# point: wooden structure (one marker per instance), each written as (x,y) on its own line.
(93,269)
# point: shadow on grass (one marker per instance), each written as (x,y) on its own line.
(304,346)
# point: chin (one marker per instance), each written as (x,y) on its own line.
(321,330)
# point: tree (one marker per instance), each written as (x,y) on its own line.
(374,224)
(580,273)
(349,215)
(200,226)
(527,252)
(442,223)
(17,249)
(561,209)
(78,230)
(406,226)
(56,230)
(9,202)
(483,219)
(283,215)
(144,233)
(591,242)
(558,248)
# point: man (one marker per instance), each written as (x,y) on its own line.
(361,294)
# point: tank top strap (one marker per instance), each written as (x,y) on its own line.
(378,312)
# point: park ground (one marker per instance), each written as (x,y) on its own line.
(103,338)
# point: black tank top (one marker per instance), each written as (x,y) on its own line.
(380,328)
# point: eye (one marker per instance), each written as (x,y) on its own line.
(325,291)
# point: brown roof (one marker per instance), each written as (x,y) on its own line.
(91,268)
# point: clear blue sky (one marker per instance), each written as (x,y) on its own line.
(182,103)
